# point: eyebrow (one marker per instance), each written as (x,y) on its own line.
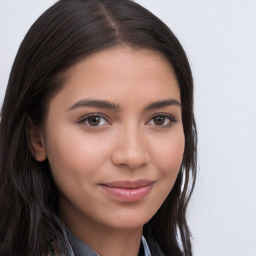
(162,104)
(112,106)
(96,103)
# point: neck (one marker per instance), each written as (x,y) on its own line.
(104,240)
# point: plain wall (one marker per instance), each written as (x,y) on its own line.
(220,40)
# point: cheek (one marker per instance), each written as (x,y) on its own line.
(77,160)
(76,150)
(168,158)
(169,153)
(74,161)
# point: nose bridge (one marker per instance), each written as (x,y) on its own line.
(131,148)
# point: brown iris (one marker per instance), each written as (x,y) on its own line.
(94,120)
(159,120)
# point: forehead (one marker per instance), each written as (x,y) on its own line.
(119,72)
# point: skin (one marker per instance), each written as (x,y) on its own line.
(126,143)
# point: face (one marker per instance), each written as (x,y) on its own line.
(114,138)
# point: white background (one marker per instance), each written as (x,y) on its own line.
(220,40)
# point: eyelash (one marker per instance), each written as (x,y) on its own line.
(171,118)
(85,119)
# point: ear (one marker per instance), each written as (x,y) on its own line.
(35,141)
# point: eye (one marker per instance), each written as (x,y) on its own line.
(163,120)
(94,120)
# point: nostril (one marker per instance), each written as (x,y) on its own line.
(131,158)
(131,147)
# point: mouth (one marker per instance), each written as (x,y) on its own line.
(129,191)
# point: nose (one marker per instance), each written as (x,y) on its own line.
(131,149)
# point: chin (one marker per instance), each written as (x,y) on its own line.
(128,221)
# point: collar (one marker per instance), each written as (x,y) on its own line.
(79,248)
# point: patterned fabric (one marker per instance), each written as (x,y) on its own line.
(79,248)
(82,249)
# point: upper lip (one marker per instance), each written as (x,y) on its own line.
(128,184)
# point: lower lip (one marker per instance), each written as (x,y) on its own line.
(128,195)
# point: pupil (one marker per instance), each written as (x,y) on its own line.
(159,120)
(94,120)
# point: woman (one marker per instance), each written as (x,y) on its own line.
(97,134)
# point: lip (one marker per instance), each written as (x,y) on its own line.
(129,191)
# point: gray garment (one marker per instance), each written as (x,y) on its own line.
(79,248)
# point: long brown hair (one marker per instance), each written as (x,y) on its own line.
(65,34)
